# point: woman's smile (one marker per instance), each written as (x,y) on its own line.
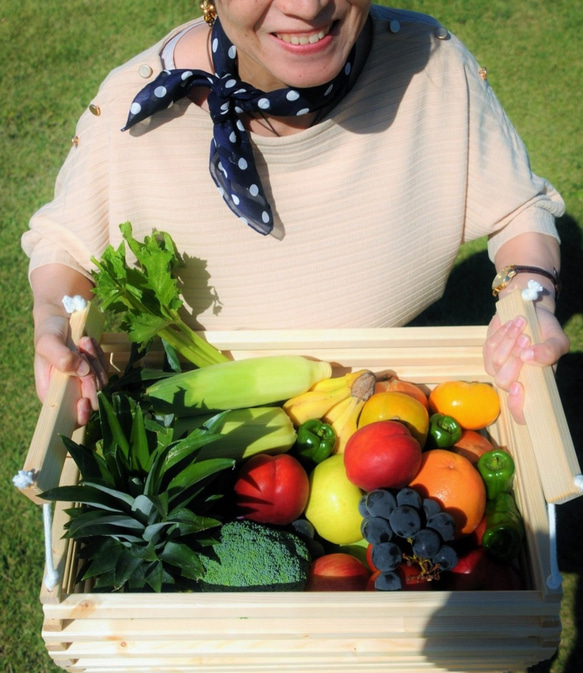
(301,43)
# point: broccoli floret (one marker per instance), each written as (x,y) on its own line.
(254,557)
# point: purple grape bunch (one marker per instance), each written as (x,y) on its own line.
(403,527)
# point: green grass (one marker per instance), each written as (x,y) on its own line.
(54,54)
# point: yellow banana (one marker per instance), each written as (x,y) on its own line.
(337,401)
(334,383)
(333,413)
(346,424)
(313,404)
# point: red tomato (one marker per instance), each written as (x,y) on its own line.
(272,489)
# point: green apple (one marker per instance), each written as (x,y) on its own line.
(333,503)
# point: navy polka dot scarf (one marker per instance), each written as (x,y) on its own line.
(232,164)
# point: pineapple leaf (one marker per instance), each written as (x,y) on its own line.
(144,508)
(125,499)
(154,576)
(193,474)
(126,565)
(91,465)
(117,465)
(91,494)
(92,522)
(102,557)
(111,427)
(139,447)
(182,556)
(154,529)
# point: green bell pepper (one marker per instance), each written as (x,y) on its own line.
(504,532)
(497,469)
(444,431)
(315,441)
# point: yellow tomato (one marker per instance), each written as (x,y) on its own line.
(395,406)
(473,404)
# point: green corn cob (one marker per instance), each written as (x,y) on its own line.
(237,384)
(243,432)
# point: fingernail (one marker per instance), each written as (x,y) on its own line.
(514,389)
(83,369)
(527,356)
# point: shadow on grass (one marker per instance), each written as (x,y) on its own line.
(466,301)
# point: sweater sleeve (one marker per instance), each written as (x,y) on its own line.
(504,197)
(74,225)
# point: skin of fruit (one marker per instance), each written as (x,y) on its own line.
(473,404)
(472,445)
(445,465)
(382,455)
(337,572)
(396,385)
(272,489)
(332,506)
(397,406)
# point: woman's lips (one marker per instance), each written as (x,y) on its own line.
(303,38)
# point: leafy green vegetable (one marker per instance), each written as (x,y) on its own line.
(148,297)
(145,507)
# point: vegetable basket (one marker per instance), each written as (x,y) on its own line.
(317,632)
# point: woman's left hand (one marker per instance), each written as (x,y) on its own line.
(507,349)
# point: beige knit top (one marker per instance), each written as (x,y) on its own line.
(371,204)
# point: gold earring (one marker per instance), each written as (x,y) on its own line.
(209,13)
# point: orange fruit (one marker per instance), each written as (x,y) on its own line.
(456,484)
(396,406)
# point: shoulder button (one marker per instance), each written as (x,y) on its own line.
(394,26)
(145,70)
(441,33)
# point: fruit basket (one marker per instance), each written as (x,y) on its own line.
(333,631)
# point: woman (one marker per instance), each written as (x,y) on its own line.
(354,148)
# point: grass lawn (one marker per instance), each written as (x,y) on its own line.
(54,54)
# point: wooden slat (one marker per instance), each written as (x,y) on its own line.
(452,654)
(46,453)
(553,447)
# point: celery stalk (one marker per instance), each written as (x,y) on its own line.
(147,295)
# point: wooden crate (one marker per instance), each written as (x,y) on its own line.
(338,631)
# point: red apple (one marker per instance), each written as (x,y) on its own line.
(272,489)
(337,572)
(383,454)
(476,571)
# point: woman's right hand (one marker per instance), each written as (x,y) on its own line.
(53,348)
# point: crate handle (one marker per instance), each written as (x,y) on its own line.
(553,447)
(46,455)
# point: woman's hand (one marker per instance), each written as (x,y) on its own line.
(507,349)
(53,348)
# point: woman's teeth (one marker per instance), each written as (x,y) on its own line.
(303,39)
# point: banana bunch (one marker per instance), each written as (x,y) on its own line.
(337,401)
